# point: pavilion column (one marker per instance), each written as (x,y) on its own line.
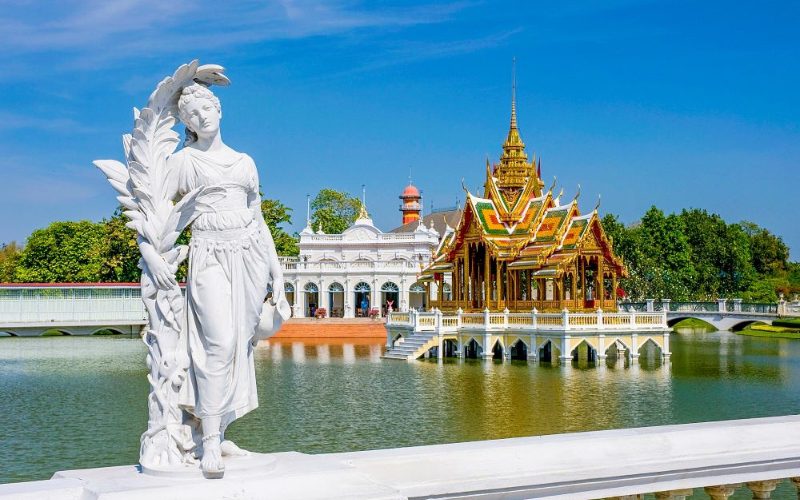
(467,278)
(583,281)
(509,284)
(498,284)
(486,271)
(614,286)
(455,289)
(574,293)
(427,300)
(440,290)
(599,292)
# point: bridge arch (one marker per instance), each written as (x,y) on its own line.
(498,349)
(56,332)
(549,351)
(450,347)
(744,324)
(649,344)
(473,349)
(584,351)
(674,321)
(617,347)
(518,349)
(113,330)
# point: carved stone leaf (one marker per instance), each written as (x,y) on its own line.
(120,188)
(126,145)
(138,173)
(212,74)
(128,202)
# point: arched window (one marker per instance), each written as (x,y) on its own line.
(362,287)
(390,287)
(311,287)
(288,288)
(336,287)
(417,288)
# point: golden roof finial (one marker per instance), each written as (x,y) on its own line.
(514,93)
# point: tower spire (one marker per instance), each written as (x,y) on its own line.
(362,213)
(514,93)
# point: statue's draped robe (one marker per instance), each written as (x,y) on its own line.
(226,284)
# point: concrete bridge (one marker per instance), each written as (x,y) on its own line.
(29,310)
(722,314)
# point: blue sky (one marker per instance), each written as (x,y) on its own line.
(677,104)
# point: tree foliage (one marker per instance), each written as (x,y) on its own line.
(696,255)
(275,214)
(105,251)
(334,211)
(9,257)
(64,252)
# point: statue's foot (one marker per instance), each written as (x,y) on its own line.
(211,464)
(230,449)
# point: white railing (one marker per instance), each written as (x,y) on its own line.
(294,264)
(70,304)
(752,457)
(533,321)
(722,306)
(382,238)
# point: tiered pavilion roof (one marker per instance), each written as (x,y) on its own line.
(518,246)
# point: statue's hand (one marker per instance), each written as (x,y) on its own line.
(163,273)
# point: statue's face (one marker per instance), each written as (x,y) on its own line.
(201,117)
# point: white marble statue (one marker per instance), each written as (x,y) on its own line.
(200,347)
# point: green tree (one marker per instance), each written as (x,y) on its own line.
(122,259)
(276,213)
(9,259)
(64,252)
(706,233)
(334,210)
(770,254)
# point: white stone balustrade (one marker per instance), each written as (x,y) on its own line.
(674,461)
(294,263)
(533,321)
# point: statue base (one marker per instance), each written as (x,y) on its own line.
(233,466)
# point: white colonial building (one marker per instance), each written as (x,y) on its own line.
(360,270)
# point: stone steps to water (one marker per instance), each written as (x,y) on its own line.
(411,348)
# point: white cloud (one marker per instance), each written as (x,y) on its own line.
(16,121)
(112,30)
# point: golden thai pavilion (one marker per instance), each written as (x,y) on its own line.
(519,247)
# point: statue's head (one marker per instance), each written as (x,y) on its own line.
(199,110)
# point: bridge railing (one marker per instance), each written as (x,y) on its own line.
(564,321)
(70,304)
(760,308)
(694,306)
(633,306)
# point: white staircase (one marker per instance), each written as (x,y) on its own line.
(414,346)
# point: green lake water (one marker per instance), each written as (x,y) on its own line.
(77,402)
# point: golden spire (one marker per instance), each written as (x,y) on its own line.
(514,93)
(514,170)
